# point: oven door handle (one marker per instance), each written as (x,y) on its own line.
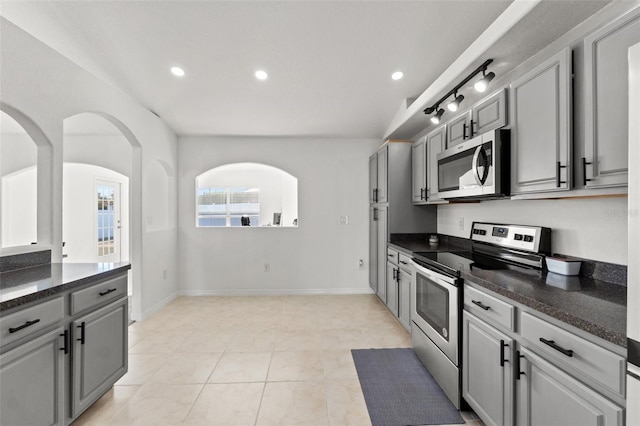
(433,276)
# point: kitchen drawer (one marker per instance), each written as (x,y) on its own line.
(600,364)
(404,262)
(392,255)
(30,320)
(98,293)
(489,308)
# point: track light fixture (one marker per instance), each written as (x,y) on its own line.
(480,86)
(436,118)
(455,103)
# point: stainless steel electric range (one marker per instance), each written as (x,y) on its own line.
(436,304)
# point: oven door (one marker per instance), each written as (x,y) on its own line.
(468,169)
(435,309)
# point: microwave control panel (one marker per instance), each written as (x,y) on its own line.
(535,239)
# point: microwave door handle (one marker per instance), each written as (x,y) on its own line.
(485,168)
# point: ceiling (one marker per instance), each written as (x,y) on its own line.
(329,62)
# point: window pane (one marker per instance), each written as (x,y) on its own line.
(216,205)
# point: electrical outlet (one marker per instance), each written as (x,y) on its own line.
(361,264)
(344,220)
(461,224)
(267,267)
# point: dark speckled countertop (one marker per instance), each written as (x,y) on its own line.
(29,284)
(595,306)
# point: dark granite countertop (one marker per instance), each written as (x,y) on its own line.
(595,306)
(29,284)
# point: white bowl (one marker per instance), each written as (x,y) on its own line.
(563,266)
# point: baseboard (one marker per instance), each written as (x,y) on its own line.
(275,292)
(155,308)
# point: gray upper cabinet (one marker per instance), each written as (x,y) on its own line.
(488,114)
(436,141)
(458,129)
(32,377)
(419,172)
(541,112)
(383,167)
(547,395)
(373,177)
(606,103)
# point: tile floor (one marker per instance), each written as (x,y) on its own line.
(282,360)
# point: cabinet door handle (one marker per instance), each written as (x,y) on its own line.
(65,348)
(502,346)
(104,293)
(25,325)
(422,193)
(518,372)
(398,275)
(480,304)
(464,130)
(394,274)
(375,195)
(471,128)
(81,339)
(558,181)
(584,171)
(375,214)
(551,343)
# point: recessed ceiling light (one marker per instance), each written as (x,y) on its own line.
(261,75)
(397,75)
(177,71)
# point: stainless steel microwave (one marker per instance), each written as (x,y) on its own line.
(477,168)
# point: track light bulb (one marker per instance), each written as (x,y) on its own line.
(436,118)
(455,104)
(482,84)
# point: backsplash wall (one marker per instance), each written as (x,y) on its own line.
(588,228)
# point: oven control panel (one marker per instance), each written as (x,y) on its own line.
(535,239)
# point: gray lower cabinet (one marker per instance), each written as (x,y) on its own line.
(32,381)
(549,396)
(99,353)
(541,117)
(404,299)
(392,288)
(487,375)
(68,352)
(605,161)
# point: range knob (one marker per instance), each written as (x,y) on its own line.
(528,238)
(517,237)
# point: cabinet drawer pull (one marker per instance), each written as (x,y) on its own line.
(480,304)
(65,348)
(558,168)
(403,262)
(551,343)
(104,293)
(502,346)
(81,339)
(25,325)
(518,372)
(584,171)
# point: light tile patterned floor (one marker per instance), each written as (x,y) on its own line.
(282,360)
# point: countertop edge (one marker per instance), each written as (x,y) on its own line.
(18,301)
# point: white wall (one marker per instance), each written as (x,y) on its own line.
(320,256)
(47,88)
(589,228)
(19,204)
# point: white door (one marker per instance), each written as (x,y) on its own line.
(108,224)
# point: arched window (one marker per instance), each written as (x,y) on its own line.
(246,194)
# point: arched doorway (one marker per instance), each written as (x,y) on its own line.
(101,202)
